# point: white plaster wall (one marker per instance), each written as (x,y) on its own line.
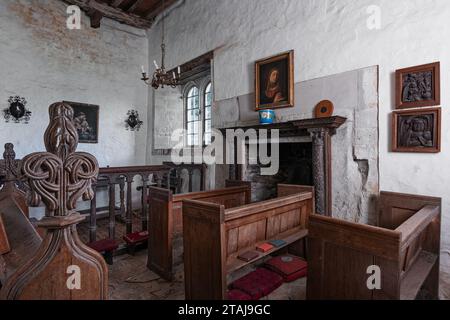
(43,61)
(329,37)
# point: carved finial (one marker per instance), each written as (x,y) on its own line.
(61,137)
(60,176)
(10,165)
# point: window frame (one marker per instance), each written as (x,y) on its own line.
(201,84)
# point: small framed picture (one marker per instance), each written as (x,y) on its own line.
(85,118)
(418,86)
(274,86)
(417,130)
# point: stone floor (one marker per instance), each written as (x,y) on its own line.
(129,279)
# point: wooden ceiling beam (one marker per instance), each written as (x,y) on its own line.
(112,13)
(117,3)
(154,11)
(135,6)
(96,18)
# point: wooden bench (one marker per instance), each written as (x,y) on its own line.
(215,236)
(166,219)
(406,248)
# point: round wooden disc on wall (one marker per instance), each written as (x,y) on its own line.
(324,109)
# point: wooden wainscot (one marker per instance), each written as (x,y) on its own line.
(166,219)
(405,247)
(215,236)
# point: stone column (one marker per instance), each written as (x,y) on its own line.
(321,162)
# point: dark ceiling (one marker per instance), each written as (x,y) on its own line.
(136,13)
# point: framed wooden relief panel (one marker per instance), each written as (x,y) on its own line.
(418,86)
(417,130)
(275,82)
(85,118)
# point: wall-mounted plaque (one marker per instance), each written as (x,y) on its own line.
(417,131)
(418,86)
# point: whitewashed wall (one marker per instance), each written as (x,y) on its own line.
(329,37)
(43,61)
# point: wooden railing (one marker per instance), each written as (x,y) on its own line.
(123,178)
(176,171)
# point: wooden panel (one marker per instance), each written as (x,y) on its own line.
(161,230)
(396,208)
(204,240)
(377,241)
(23,237)
(4,243)
(345,274)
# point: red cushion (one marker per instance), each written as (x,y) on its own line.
(136,237)
(104,245)
(296,275)
(288,266)
(258,283)
(238,295)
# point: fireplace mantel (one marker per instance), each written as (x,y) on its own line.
(321,131)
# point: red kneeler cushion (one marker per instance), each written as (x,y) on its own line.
(238,295)
(288,266)
(104,245)
(136,237)
(258,283)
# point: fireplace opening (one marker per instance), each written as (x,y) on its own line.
(295,168)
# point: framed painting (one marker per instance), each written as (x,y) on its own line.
(418,86)
(85,119)
(274,86)
(417,130)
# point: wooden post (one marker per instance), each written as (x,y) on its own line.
(112,209)
(93,216)
(122,197)
(144,215)
(129,214)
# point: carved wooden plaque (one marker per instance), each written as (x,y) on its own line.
(417,131)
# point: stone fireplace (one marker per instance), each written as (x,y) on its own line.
(301,161)
(295,168)
(348,150)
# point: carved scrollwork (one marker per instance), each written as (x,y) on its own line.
(60,176)
(43,171)
(82,169)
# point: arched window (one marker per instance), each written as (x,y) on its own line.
(198,99)
(207,114)
(193,116)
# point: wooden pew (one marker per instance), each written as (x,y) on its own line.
(57,178)
(214,236)
(406,248)
(166,219)
(21,236)
(19,239)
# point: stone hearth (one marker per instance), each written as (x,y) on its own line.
(320,130)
